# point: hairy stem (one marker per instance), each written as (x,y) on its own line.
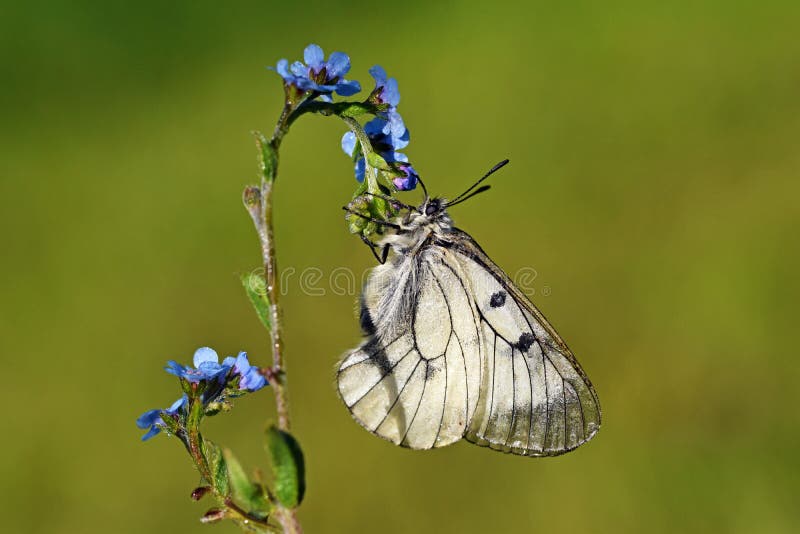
(266,236)
(258,201)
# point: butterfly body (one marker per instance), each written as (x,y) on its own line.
(453,349)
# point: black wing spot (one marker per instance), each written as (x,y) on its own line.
(430,371)
(498,299)
(525,341)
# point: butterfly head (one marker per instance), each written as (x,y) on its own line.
(433,207)
(431,212)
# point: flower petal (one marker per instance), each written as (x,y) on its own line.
(338,65)
(178,404)
(391,93)
(154,430)
(148,419)
(204,355)
(314,57)
(252,380)
(375,126)
(298,69)
(360,169)
(396,126)
(282,68)
(348,87)
(242,365)
(349,143)
(407,182)
(379,74)
(174,368)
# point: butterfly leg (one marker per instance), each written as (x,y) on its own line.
(384,253)
(372,219)
(395,203)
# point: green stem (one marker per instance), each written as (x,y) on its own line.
(258,202)
(194,444)
(366,149)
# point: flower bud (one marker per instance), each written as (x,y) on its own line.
(213,516)
(200,492)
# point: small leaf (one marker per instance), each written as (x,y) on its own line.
(217,465)
(287,466)
(244,492)
(354,109)
(378,162)
(256,289)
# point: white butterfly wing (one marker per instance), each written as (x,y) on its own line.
(455,350)
(537,400)
(419,387)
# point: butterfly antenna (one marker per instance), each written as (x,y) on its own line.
(424,189)
(493,170)
(476,192)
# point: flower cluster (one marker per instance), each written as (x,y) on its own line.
(387,134)
(320,77)
(317,77)
(212,380)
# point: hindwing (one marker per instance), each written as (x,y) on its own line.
(454,349)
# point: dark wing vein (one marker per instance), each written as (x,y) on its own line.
(478,337)
(399,394)
(419,402)
(387,373)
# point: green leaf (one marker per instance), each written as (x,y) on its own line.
(244,492)
(256,289)
(354,109)
(217,465)
(287,466)
(378,162)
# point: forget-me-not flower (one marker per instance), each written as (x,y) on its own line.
(383,141)
(387,92)
(152,418)
(207,366)
(387,133)
(408,181)
(317,75)
(251,377)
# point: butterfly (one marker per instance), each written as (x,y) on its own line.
(453,349)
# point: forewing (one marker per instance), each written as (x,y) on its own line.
(415,382)
(535,398)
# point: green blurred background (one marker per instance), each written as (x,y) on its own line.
(653,185)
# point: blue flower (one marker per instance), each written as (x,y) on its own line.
(386,141)
(317,75)
(152,418)
(409,180)
(387,92)
(387,137)
(207,367)
(251,377)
